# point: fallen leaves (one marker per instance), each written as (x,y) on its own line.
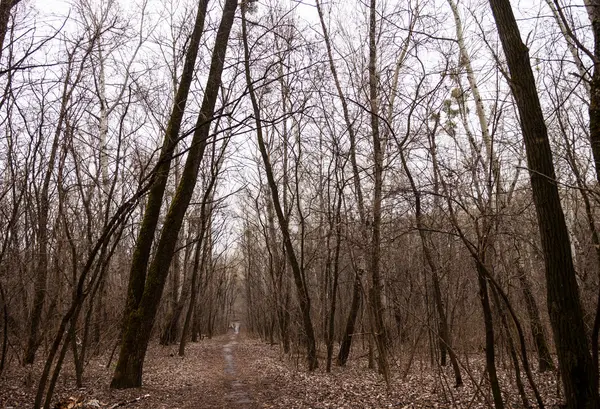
(272,381)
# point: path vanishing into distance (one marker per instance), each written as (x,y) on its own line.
(236,371)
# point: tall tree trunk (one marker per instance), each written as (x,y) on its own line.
(41,270)
(194,291)
(564,306)
(143,247)
(593,8)
(357,289)
(375,302)
(200,256)
(336,274)
(303,296)
(501,310)
(139,322)
(169,334)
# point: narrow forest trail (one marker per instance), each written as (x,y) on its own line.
(237,394)
(234,371)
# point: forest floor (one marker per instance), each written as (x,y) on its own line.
(236,372)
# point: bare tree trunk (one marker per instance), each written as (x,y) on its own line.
(564,306)
(302,290)
(444,331)
(346,344)
(200,253)
(4,329)
(169,334)
(490,351)
(545,361)
(194,290)
(5,9)
(41,273)
(501,310)
(139,322)
(141,254)
(357,289)
(375,302)
(336,273)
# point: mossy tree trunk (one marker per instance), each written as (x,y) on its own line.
(140,320)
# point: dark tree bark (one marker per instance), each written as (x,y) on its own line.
(4,348)
(302,290)
(566,314)
(337,221)
(194,290)
(5,9)
(199,255)
(346,344)
(169,333)
(545,361)
(593,8)
(490,352)
(501,311)
(141,254)
(139,322)
(41,268)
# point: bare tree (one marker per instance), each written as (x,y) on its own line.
(578,376)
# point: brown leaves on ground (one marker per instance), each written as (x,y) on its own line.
(280,385)
(271,380)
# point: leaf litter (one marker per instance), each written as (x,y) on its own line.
(270,379)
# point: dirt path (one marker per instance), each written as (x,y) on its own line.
(237,394)
(206,378)
(236,372)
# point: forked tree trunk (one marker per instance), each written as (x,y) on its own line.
(143,247)
(564,306)
(139,322)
